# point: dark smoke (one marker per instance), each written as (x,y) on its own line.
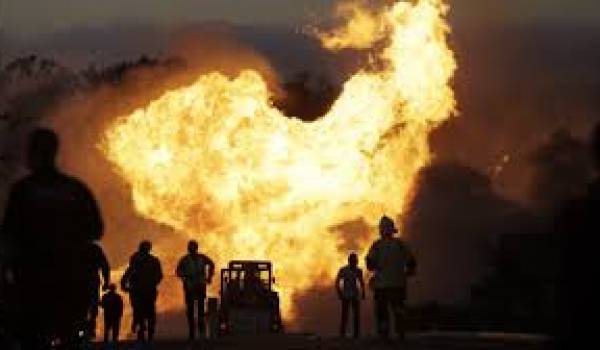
(453,223)
(563,168)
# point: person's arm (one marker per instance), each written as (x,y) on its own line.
(211,269)
(104,268)
(90,213)
(338,287)
(371,259)
(125,283)
(119,306)
(13,214)
(9,233)
(361,281)
(159,274)
(179,270)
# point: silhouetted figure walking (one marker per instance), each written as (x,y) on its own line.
(50,218)
(350,293)
(391,261)
(142,279)
(196,271)
(112,304)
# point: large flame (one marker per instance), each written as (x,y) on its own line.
(216,161)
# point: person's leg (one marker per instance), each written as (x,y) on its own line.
(116,331)
(381,312)
(135,318)
(107,327)
(189,312)
(141,326)
(152,318)
(356,316)
(201,315)
(344,317)
(142,315)
(397,298)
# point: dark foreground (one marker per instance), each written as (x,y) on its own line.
(309,342)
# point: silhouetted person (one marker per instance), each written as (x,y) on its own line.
(142,279)
(49,219)
(96,262)
(391,261)
(577,225)
(351,290)
(196,271)
(112,304)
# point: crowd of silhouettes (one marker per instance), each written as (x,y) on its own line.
(53,268)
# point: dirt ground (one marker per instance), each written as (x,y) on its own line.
(430,341)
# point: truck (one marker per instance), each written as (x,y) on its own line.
(248,303)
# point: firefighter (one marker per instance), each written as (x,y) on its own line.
(195,271)
(142,278)
(112,304)
(391,262)
(349,293)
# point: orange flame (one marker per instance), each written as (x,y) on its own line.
(216,161)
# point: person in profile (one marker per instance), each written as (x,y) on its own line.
(49,218)
(195,271)
(350,287)
(391,261)
(141,279)
(112,304)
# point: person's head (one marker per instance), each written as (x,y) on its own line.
(192,247)
(353,260)
(112,288)
(387,228)
(145,247)
(42,149)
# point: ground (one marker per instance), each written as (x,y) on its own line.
(430,341)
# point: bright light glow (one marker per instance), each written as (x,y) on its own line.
(216,161)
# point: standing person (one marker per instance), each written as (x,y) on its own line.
(49,218)
(112,304)
(392,262)
(351,277)
(142,279)
(196,271)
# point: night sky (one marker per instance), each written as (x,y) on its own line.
(31,18)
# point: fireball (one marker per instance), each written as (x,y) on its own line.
(217,162)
